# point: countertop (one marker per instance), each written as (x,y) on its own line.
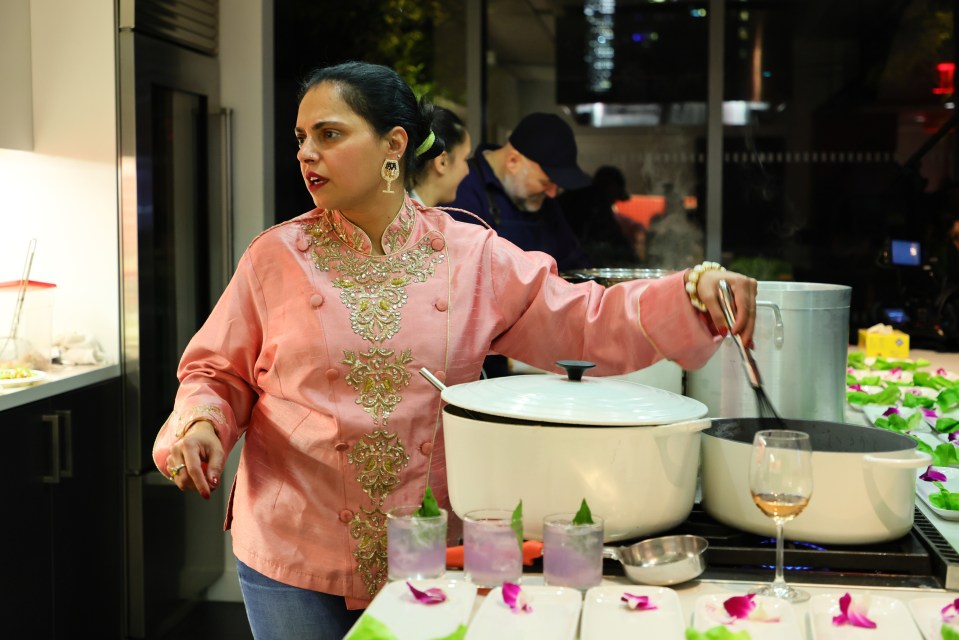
(59,379)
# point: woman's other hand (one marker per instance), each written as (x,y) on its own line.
(196,460)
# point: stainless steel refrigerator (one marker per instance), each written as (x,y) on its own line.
(175,239)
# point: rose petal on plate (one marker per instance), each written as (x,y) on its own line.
(891,411)
(950,611)
(740,606)
(638,603)
(430,596)
(931,475)
(515,598)
(852,614)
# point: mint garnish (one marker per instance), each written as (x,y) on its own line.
(429,508)
(517,524)
(583,516)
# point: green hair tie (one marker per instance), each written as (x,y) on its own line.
(426,144)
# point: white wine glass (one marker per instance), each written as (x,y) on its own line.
(780,480)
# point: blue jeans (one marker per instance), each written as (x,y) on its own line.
(278,611)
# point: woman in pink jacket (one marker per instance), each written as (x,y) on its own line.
(312,352)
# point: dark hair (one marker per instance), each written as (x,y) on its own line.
(450,131)
(381,97)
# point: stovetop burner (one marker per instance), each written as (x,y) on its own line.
(921,558)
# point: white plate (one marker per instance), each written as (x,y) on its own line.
(927,613)
(924,488)
(875,411)
(892,618)
(35,376)
(606,616)
(555,616)
(406,618)
(787,628)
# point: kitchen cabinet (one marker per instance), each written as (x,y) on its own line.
(63,534)
(16,99)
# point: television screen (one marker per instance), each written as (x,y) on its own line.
(906,253)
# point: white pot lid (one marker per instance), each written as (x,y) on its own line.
(589,401)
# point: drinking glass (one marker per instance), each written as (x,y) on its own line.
(572,553)
(780,480)
(415,546)
(491,551)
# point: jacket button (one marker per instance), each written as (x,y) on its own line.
(341,446)
(438,244)
(441,305)
(426,448)
(302,243)
(345,516)
(332,374)
(316,300)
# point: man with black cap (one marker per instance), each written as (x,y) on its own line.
(513,187)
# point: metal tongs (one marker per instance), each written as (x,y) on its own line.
(749,364)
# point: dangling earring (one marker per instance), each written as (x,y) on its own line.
(390,172)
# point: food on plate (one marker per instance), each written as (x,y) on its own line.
(15,374)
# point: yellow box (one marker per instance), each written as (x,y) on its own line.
(887,345)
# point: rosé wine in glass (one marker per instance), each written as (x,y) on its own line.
(572,553)
(492,552)
(415,546)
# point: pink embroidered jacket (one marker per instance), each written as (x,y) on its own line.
(312,354)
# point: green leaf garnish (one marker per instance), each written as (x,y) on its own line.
(911,401)
(459,634)
(516,522)
(944,499)
(583,516)
(945,455)
(370,628)
(719,632)
(948,632)
(429,508)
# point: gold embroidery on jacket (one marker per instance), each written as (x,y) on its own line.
(209,412)
(378,375)
(373,288)
(368,528)
(379,457)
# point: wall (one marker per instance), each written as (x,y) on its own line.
(64,191)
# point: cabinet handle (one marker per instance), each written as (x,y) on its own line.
(66,419)
(54,422)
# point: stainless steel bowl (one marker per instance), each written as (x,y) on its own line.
(662,561)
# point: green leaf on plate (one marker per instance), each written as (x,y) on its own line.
(946,425)
(429,508)
(948,398)
(369,628)
(948,632)
(719,632)
(945,455)
(911,401)
(459,634)
(516,522)
(583,516)
(944,499)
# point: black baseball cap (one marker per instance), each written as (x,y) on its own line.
(546,139)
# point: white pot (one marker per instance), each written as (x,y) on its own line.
(552,442)
(864,481)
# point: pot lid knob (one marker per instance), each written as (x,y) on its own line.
(575,368)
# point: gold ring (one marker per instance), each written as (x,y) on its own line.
(175,470)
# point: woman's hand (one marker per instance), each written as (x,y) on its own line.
(744,301)
(196,460)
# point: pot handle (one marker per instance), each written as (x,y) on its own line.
(612,553)
(919,459)
(690,426)
(778,333)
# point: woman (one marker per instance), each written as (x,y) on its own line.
(436,175)
(312,352)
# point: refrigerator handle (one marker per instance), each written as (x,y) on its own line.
(54,422)
(66,419)
(226,182)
